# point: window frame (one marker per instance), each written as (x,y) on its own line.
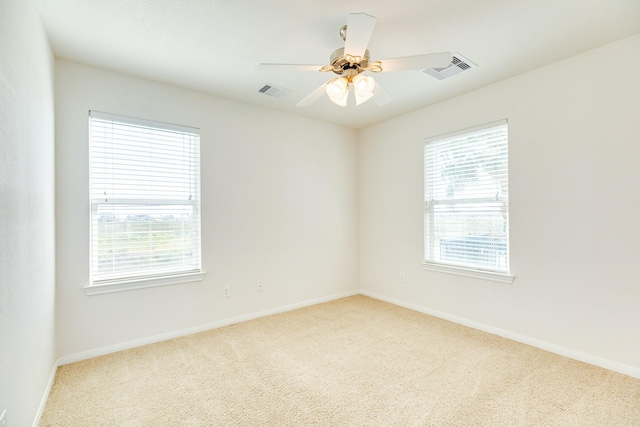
(459,269)
(137,280)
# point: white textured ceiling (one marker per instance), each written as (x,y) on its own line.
(213,46)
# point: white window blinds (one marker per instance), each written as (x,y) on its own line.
(467,199)
(145,199)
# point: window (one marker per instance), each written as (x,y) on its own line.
(145,203)
(467,202)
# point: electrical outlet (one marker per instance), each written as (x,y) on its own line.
(226,292)
(3,418)
(260,285)
(403,278)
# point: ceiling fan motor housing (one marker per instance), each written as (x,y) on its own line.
(340,62)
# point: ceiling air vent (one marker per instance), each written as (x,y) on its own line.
(275,91)
(458,64)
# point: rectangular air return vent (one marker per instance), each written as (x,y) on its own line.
(458,64)
(273,90)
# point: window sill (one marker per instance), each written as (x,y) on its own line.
(128,285)
(469,272)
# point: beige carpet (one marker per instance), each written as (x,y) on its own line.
(351,362)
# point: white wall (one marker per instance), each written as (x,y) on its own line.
(279,204)
(27,259)
(574,164)
(303,206)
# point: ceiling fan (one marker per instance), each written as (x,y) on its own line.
(351,61)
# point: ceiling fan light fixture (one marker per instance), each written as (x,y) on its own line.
(338,90)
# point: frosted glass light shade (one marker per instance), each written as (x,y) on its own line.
(338,91)
(363,88)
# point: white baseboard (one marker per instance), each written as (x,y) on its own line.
(621,368)
(632,371)
(45,397)
(64,360)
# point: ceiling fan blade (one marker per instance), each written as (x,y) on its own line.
(288,67)
(381,96)
(417,62)
(359,30)
(313,96)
